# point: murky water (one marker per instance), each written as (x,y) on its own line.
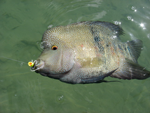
(22,23)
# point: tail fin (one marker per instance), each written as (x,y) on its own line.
(130,70)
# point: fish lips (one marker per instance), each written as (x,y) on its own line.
(38,65)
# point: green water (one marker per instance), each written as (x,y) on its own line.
(22,23)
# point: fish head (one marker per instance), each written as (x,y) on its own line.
(56,59)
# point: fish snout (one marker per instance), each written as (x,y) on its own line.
(38,65)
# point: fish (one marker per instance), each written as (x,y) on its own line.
(87,52)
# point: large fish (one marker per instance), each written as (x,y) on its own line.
(87,52)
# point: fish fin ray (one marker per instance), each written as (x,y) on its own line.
(135,48)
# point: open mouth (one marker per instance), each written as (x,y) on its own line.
(38,64)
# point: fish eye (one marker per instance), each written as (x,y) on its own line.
(54,47)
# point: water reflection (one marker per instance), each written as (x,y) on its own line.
(134,8)
(142,25)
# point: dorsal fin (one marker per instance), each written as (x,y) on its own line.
(115,28)
(134,47)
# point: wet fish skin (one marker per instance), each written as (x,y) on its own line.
(88,52)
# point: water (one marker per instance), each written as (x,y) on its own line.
(22,23)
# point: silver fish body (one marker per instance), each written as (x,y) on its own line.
(87,52)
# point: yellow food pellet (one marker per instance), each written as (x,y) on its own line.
(31,64)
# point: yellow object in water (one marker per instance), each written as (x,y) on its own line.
(31,64)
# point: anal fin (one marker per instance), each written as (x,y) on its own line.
(130,70)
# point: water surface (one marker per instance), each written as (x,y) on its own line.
(22,23)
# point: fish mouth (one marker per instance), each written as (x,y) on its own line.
(38,64)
